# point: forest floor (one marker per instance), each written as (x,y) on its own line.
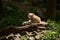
(29,32)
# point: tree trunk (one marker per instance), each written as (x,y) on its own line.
(51,9)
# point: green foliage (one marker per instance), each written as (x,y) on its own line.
(53,25)
(13,16)
(49,35)
(53,33)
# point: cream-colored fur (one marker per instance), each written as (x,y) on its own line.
(34,18)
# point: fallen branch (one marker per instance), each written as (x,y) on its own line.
(12,29)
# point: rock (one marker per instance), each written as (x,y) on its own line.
(29,33)
(41,27)
(37,32)
(26,23)
(44,23)
(37,37)
(11,35)
(31,38)
(17,36)
(24,37)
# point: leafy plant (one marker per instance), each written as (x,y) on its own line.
(53,25)
(49,35)
(53,33)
